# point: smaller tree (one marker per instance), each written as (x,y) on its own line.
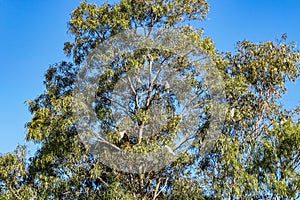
(13,176)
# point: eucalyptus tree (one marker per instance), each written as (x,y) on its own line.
(63,167)
(258,154)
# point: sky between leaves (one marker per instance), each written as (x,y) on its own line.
(32,34)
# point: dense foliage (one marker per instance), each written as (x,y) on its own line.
(256,155)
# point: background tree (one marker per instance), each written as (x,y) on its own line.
(250,159)
(13,175)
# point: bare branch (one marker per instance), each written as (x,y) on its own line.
(131,85)
(141,127)
(102,181)
(165,185)
(156,190)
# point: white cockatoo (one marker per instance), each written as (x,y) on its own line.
(170,150)
(232,112)
(167,87)
(121,134)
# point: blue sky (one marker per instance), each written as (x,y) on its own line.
(32,34)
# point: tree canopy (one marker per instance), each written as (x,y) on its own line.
(256,152)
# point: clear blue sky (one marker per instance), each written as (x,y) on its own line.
(32,33)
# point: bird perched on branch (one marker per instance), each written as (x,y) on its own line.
(123,139)
(167,87)
(232,112)
(170,150)
(121,134)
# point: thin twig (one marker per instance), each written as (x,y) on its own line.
(156,190)
(165,185)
